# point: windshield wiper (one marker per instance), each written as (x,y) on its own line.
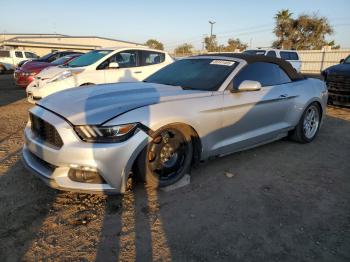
(186,87)
(170,84)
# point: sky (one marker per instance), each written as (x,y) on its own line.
(171,22)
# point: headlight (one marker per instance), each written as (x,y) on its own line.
(62,76)
(29,74)
(105,134)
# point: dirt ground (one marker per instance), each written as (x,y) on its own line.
(284,202)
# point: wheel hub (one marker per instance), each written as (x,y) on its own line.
(311,122)
(167,156)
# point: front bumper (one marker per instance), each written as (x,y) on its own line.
(112,160)
(39,89)
(21,80)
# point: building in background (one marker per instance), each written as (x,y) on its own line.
(42,44)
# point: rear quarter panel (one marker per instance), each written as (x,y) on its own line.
(305,92)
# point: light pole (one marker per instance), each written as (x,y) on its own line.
(211,27)
(211,36)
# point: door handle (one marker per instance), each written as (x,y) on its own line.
(284,96)
(137,72)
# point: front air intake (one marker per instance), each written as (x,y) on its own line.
(45,131)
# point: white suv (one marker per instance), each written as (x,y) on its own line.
(10,58)
(108,65)
(289,55)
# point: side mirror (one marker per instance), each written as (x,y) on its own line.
(113,65)
(341,61)
(248,85)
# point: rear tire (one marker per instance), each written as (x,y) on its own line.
(166,159)
(309,125)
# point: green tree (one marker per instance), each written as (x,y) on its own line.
(211,44)
(310,32)
(154,44)
(234,44)
(184,49)
(306,32)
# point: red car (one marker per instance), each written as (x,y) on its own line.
(26,73)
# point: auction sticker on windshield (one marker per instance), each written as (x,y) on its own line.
(222,62)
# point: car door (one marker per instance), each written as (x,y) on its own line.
(6,59)
(18,57)
(150,62)
(254,117)
(127,70)
(293,58)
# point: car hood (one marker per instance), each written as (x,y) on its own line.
(96,104)
(34,66)
(52,71)
(341,69)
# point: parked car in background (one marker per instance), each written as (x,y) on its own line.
(90,138)
(9,59)
(25,74)
(337,78)
(48,58)
(101,66)
(289,55)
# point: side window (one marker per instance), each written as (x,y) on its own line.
(151,58)
(271,53)
(19,54)
(293,56)
(52,58)
(4,53)
(267,74)
(125,59)
(62,54)
(289,55)
(284,55)
(30,55)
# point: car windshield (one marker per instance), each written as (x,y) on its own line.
(194,74)
(254,52)
(61,61)
(47,56)
(347,60)
(88,58)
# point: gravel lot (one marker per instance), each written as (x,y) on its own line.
(284,202)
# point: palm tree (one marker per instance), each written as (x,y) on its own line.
(284,29)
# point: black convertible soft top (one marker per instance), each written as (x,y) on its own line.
(286,66)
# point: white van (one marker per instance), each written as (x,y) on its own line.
(108,65)
(289,55)
(10,58)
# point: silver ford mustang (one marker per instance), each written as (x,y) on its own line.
(92,138)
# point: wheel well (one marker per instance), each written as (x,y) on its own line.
(319,106)
(186,129)
(196,141)
(86,84)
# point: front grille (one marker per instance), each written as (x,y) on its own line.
(338,84)
(45,131)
